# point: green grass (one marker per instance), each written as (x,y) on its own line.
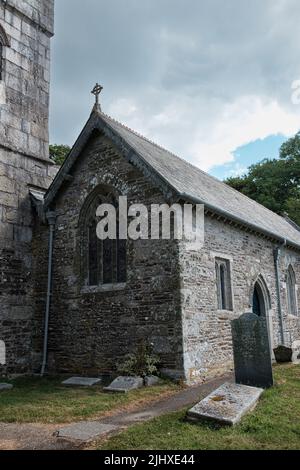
(45,400)
(275,424)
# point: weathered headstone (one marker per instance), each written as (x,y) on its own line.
(81,382)
(4,387)
(251,351)
(283,354)
(226,405)
(125,384)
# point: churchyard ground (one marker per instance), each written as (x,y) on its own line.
(275,424)
(46,400)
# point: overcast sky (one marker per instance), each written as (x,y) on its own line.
(208,79)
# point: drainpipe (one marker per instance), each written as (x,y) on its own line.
(51,217)
(277,254)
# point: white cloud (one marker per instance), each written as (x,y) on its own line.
(207,139)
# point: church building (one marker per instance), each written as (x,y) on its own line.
(71,303)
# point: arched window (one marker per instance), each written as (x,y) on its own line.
(3,42)
(224,289)
(291,291)
(103,261)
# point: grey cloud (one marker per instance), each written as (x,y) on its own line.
(202,55)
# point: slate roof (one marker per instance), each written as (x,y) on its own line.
(183,178)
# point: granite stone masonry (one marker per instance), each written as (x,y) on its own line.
(24,164)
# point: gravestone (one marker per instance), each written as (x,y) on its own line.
(125,384)
(4,387)
(81,382)
(251,351)
(151,380)
(86,431)
(226,405)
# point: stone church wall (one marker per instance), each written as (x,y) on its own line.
(24,164)
(90,331)
(207,330)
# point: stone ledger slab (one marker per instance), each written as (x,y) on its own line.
(226,405)
(125,384)
(85,431)
(81,382)
(4,387)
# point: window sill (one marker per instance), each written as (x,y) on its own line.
(103,288)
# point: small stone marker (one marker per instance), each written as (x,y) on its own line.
(85,431)
(151,380)
(283,354)
(125,384)
(81,382)
(251,351)
(226,405)
(4,387)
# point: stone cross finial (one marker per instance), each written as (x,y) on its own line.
(96,91)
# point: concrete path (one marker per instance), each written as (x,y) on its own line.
(79,435)
(87,431)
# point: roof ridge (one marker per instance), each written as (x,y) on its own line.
(191,164)
(144,137)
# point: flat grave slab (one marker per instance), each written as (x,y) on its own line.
(4,387)
(226,405)
(82,382)
(85,431)
(125,384)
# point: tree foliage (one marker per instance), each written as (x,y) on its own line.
(275,183)
(58,153)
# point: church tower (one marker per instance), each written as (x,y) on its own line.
(26,28)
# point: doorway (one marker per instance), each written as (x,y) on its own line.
(259,306)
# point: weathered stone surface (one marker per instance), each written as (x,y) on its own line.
(4,387)
(24,90)
(151,380)
(283,354)
(82,382)
(251,350)
(226,405)
(125,384)
(85,431)
(296,352)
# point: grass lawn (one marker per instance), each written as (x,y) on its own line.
(45,400)
(275,424)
